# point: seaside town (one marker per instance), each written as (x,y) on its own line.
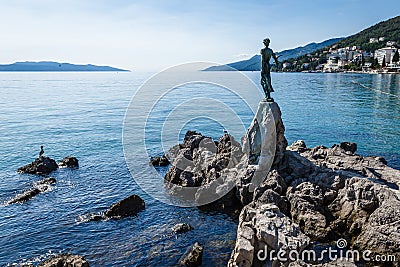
(349,59)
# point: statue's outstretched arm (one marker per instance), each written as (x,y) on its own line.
(276,58)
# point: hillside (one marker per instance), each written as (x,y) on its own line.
(54,66)
(390,29)
(254,63)
(349,50)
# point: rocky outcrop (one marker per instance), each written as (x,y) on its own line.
(182,228)
(41,165)
(65,260)
(207,166)
(129,206)
(263,228)
(327,196)
(159,161)
(349,164)
(336,263)
(193,256)
(69,162)
(223,167)
(37,188)
(297,197)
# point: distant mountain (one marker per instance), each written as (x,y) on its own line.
(54,66)
(254,63)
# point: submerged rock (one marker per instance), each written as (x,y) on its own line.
(41,165)
(193,256)
(37,188)
(182,228)
(45,181)
(65,260)
(30,193)
(127,207)
(69,162)
(159,161)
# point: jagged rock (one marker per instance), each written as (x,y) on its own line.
(182,228)
(41,165)
(193,256)
(69,162)
(349,146)
(319,194)
(306,201)
(37,188)
(370,213)
(65,260)
(381,233)
(262,227)
(159,161)
(273,181)
(207,166)
(336,158)
(265,139)
(127,207)
(335,263)
(298,145)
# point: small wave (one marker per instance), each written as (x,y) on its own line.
(377,90)
(90,217)
(36,259)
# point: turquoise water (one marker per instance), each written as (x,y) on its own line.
(82,114)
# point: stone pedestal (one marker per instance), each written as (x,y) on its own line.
(265,142)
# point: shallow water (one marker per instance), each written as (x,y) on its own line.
(82,114)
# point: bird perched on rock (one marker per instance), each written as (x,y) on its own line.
(41,151)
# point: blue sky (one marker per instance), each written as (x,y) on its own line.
(154,34)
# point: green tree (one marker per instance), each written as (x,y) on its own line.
(384,62)
(396,56)
(375,64)
(362,60)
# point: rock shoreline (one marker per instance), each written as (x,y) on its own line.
(310,196)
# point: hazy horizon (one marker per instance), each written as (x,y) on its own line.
(154,35)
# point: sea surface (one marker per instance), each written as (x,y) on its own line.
(82,114)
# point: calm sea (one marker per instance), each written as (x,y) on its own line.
(82,114)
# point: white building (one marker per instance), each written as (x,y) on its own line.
(286,65)
(373,40)
(386,53)
(381,39)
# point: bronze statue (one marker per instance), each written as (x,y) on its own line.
(266,54)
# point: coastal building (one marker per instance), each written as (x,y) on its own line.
(305,66)
(391,43)
(381,39)
(386,53)
(367,54)
(367,66)
(373,40)
(342,62)
(286,65)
